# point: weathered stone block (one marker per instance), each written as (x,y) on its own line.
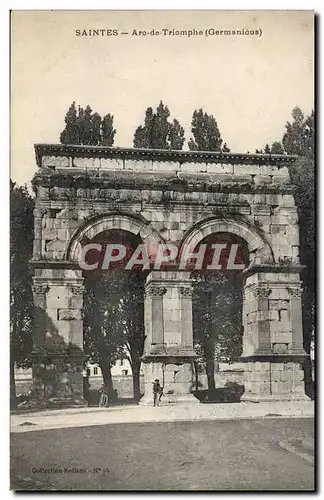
(86,162)
(247,169)
(262,179)
(42,192)
(76,301)
(138,165)
(280,326)
(281,337)
(55,161)
(292,230)
(278,228)
(261,210)
(282,252)
(288,200)
(69,314)
(193,167)
(167,166)
(280,179)
(284,315)
(57,297)
(280,348)
(278,305)
(220,168)
(268,170)
(111,164)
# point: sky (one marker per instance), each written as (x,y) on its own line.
(249,83)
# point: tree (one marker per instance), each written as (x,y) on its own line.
(107,130)
(82,126)
(103,324)
(217,310)
(299,136)
(277,148)
(176,135)
(158,132)
(21,298)
(133,309)
(206,134)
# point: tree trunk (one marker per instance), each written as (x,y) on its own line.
(13,396)
(210,363)
(107,379)
(308,379)
(136,369)
(196,375)
(210,372)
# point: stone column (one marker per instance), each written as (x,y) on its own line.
(296,319)
(155,303)
(262,319)
(186,317)
(69,360)
(39,331)
(168,351)
(37,250)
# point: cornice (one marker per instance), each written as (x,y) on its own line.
(160,155)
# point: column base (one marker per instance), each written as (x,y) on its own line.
(176,378)
(273,381)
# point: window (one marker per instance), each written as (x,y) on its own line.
(95,370)
(121,362)
(125,372)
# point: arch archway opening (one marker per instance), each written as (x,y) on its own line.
(217,310)
(114,313)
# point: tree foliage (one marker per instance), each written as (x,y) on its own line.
(21,297)
(158,132)
(83,126)
(206,134)
(217,320)
(300,134)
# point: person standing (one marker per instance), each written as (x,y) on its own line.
(157,391)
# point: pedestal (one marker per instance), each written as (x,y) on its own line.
(168,350)
(274,381)
(273,340)
(58,356)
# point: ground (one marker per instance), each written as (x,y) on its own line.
(201,455)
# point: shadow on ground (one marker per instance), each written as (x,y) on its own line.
(231,393)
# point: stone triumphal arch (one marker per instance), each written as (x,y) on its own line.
(164,196)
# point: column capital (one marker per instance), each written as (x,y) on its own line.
(39,212)
(40,288)
(156,291)
(295,292)
(77,289)
(262,293)
(185,291)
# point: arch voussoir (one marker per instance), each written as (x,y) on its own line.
(249,234)
(122,222)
